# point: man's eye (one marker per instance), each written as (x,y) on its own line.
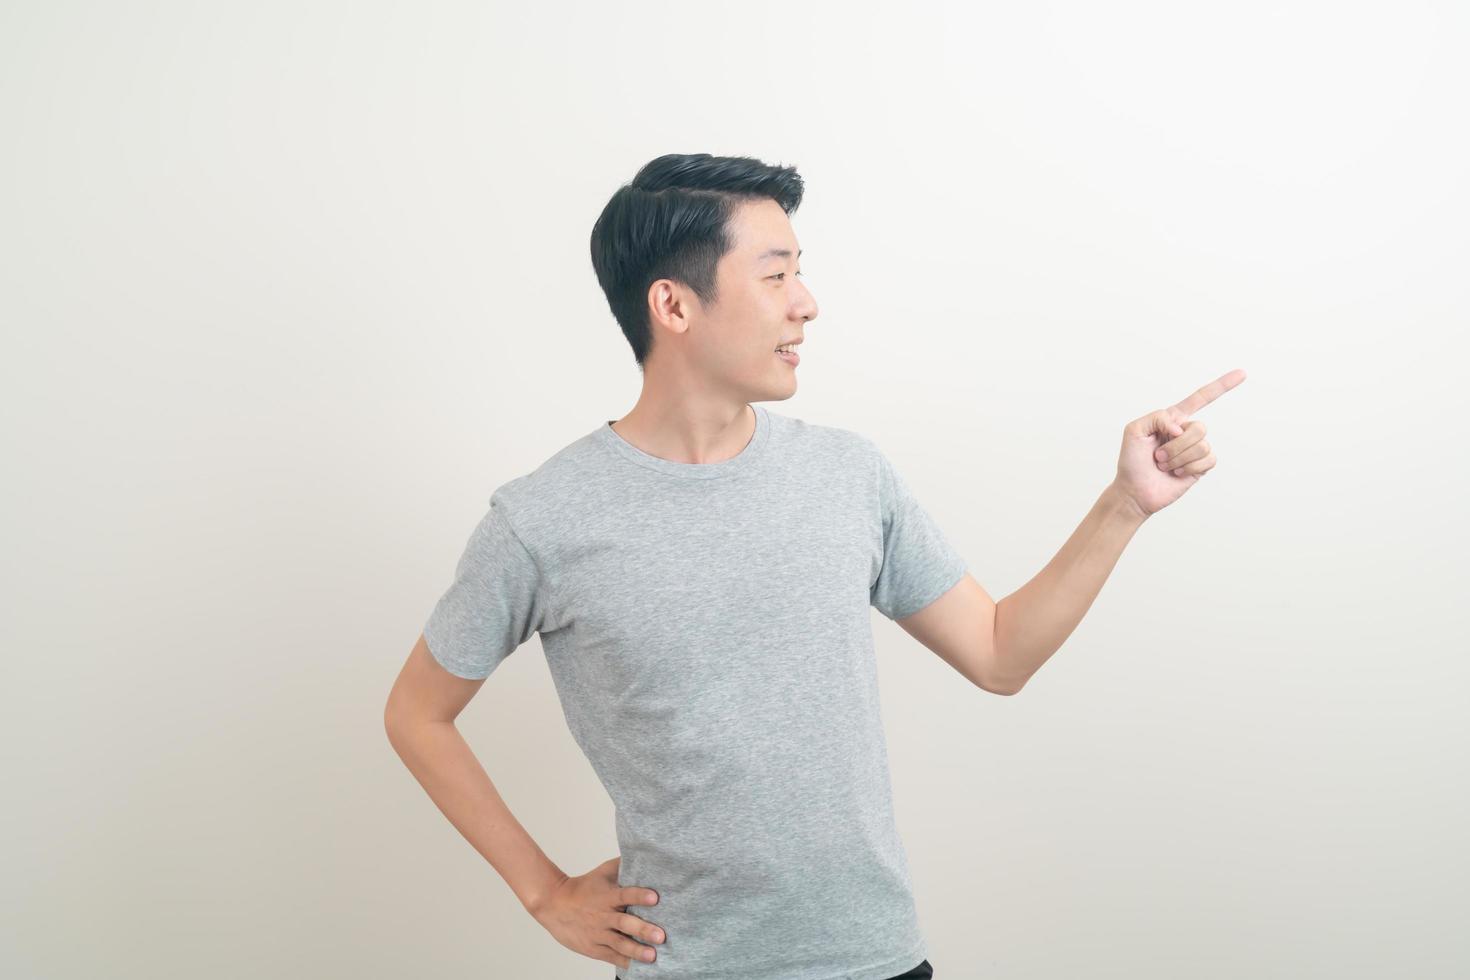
(781,275)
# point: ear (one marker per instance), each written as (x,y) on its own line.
(669,305)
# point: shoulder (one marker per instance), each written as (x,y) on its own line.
(814,439)
(534,501)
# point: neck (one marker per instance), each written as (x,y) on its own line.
(689,430)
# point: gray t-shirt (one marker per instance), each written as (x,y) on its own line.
(706,627)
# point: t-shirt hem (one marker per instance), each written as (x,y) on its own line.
(951,576)
(457,667)
(892,968)
(895,967)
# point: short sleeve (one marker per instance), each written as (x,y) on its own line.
(919,564)
(496,601)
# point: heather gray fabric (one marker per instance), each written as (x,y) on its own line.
(706,627)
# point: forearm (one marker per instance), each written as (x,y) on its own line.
(1034,621)
(443,763)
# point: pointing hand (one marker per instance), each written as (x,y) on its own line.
(1165,452)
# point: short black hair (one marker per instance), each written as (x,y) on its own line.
(671,222)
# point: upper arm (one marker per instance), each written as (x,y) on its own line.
(426,691)
(494,604)
(959,627)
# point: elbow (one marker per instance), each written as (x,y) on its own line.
(1003,691)
(993,684)
(401,730)
(391,711)
(390,725)
(997,681)
(396,717)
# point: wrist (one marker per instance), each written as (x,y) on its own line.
(1122,506)
(535,902)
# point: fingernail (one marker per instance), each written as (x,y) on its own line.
(1159,455)
(658,937)
(648,954)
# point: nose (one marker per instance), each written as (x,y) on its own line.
(807,308)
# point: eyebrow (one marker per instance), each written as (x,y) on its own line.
(775,253)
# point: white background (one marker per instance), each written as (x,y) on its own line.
(288,288)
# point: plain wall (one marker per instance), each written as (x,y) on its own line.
(288,289)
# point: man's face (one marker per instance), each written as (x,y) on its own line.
(761,304)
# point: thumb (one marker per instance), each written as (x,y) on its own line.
(1167,427)
(1157,423)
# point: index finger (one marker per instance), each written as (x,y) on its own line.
(633,895)
(1210,392)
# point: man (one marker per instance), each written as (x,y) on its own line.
(700,572)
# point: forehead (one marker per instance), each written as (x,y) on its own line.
(762,233)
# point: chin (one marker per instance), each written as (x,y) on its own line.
(767,389)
